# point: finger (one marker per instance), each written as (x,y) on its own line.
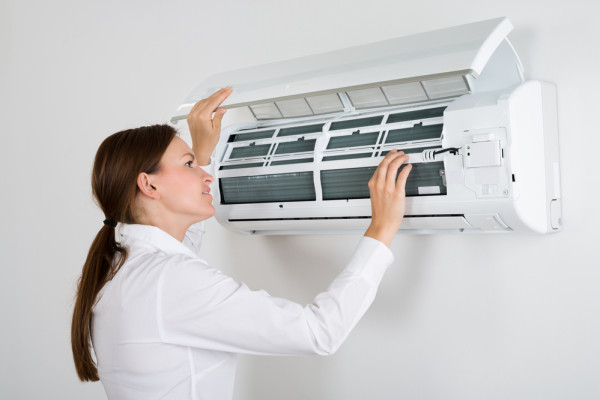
(214,101)
(393,168)
(211,103)
(196,110)
(381,171)
(387,162)
(402,178)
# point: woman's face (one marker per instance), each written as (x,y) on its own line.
(183,186)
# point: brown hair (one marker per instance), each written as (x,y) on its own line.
(120,159)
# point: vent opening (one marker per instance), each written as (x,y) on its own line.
(352,183)
(297,186)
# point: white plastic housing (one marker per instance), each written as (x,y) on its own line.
(308,133)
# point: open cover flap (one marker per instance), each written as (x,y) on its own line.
(421,67)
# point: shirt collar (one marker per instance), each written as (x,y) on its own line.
(155,237)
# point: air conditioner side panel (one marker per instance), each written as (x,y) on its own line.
(534,130)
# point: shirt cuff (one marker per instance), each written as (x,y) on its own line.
(371,259)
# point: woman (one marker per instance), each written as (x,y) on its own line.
(165,325)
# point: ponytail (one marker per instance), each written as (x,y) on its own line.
(104,259)
(119,160)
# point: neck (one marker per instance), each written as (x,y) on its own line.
(172,225)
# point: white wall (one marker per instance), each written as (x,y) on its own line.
(457,317)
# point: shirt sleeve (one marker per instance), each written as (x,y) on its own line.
(199,306)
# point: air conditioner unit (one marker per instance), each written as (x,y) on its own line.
(308,134)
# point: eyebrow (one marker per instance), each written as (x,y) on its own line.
(189,154)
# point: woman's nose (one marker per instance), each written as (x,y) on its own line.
(206,177)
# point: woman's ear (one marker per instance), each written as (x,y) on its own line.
(144,182)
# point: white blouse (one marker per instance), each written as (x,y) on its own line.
(168,326)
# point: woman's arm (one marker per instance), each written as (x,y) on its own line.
(199,306)
(204,122)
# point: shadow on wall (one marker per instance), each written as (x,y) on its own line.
(401,288)
(299,267)
(306,264)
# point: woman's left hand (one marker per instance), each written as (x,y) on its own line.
(204,128)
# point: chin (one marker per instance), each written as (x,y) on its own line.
(208,213)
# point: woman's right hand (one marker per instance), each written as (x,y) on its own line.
(388,195)
(204,127)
